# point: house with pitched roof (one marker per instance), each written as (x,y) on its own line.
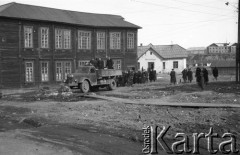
(43,45)
(162,58)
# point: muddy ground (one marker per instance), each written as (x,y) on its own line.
(45,121)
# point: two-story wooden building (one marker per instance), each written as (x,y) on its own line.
(42,45)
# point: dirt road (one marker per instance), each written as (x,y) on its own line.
(38,123)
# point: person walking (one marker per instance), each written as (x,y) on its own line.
(173,77)
(184,75)
(199,78)
(205,76)
(190,75)
(215,73)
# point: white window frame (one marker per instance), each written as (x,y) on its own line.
(44,71)
(115,40)
(82,62)
(66,39)
(44,37)
(130,40)
(101,40)
(58,38)
(64,68)
(84,39)
(62,39)
(29,71)
(59,71)
(28,36)
(117,63)
(67,68)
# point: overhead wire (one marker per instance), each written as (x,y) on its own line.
(198,4)
(189,22)
(172,7)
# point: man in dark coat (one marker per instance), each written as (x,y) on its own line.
(205,76)
(189,75)
(184,75)
(109,63)
(93,62)
(100,63)
(173,77)
(215,73)
(199,78)
(197,75)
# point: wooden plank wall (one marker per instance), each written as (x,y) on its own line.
(13,55)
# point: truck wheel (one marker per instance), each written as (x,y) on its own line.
(84,86)
(112,85)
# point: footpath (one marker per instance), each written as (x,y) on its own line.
(158,102)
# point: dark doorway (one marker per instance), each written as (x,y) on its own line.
(151,65)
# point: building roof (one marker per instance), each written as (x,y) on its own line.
(196,48)
(219,44)
(223,63)
(30,12)
(165,51)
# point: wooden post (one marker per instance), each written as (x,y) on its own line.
(238,49)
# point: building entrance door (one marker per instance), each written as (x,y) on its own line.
(151,65)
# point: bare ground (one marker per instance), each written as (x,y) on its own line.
(41,122)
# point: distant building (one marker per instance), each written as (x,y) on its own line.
(196,50)
(218,48)
(162,58)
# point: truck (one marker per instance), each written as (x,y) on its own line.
(88,78)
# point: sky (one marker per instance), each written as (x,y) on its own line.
(188,23)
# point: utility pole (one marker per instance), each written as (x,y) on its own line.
(238,49)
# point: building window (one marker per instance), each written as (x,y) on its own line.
(83,63)
(117,64)
(115,40)
(175,64)
(29,71)
(28,37)
(68,69)
(44,71)
(58,71)
(67,39)
(62,39)
(130,40)
(44,37)
(100,40)
(84,40)
(63,68)
(164,65)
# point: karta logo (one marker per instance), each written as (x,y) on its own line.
(152,139)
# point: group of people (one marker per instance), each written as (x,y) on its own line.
(98,63)
(131,77)
(201,76)
(187,75)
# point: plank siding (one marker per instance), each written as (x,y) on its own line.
(13,54)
